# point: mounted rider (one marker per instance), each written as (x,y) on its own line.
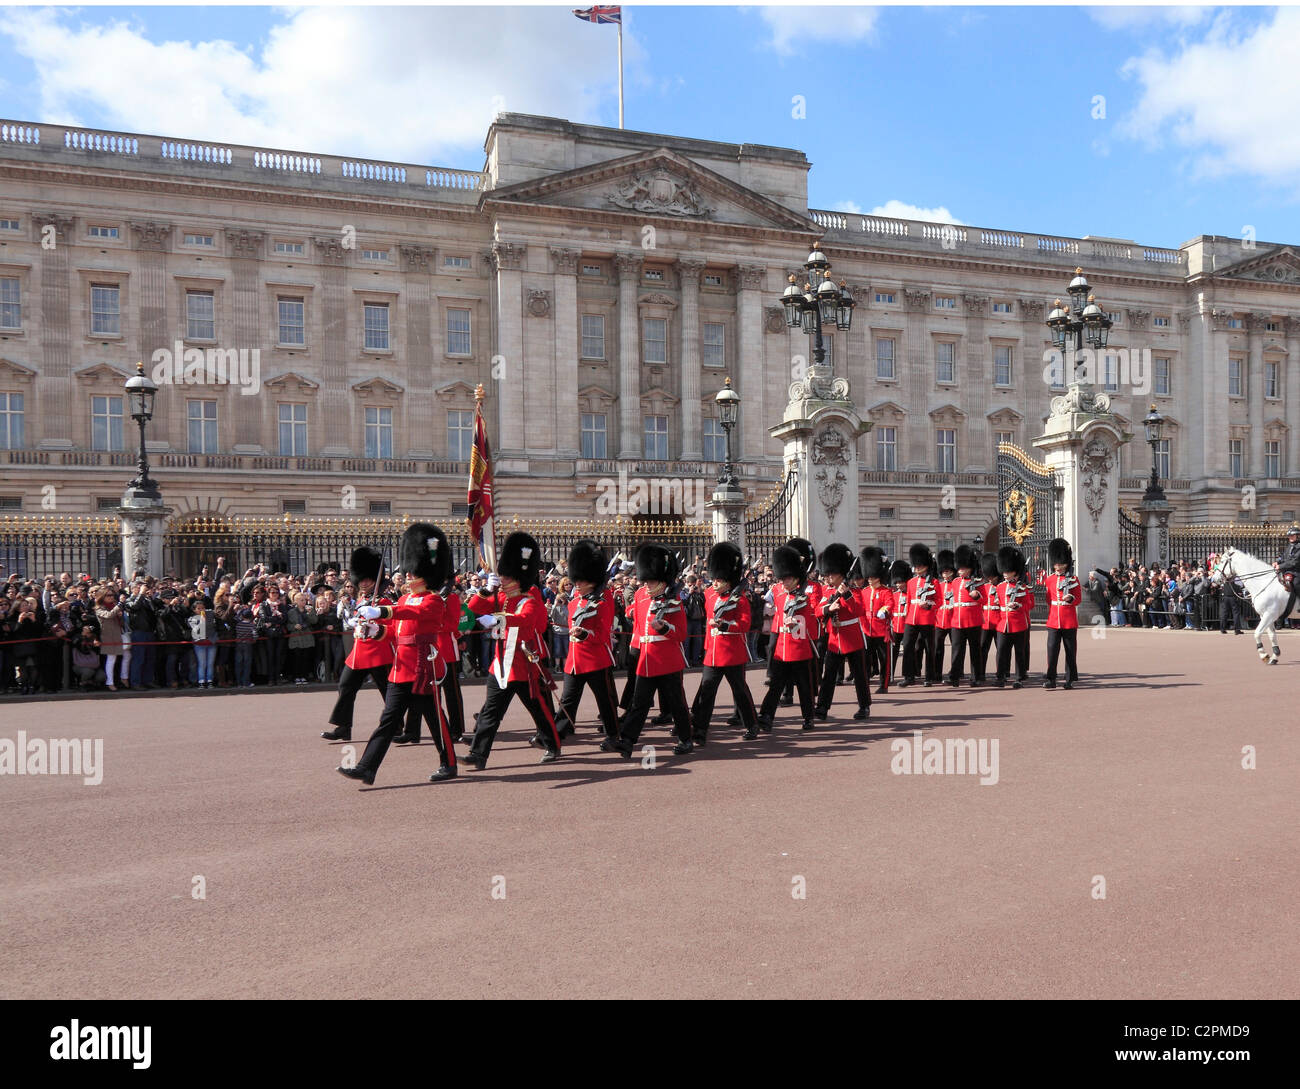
(1287,565)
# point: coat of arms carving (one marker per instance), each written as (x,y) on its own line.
(659,192)
(1018,515)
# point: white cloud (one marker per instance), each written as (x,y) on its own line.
(850,206)
(1230,99)
(1123,17)
(896,209)
(832,25)
(405,84)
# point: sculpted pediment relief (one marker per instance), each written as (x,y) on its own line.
(1279,266)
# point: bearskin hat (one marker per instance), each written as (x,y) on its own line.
(726,563)
(425,554)
(806,551)
(872,561)
(1059,551)
(364,564)
(588,562)
(836,559)
(1010,561)
(965,556)
(899,571)
(945,560)
(919,555)
(989,565)
(788,562)
(521,560)
(655,563)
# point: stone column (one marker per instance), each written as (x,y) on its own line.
(979,382)
(1291,455)
(629,356)
(1214,371)
(152,241)
(688,270)
(144,527)
(728,507)
(1254,459)
(919,455)
(1155,519)
(752,378)
(568,347)
(418,367)
(508,259)
(245,250)
(334,418)
(54,393)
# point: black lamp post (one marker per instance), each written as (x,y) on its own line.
(819,303)
(728,402)
(140,392)
(1082,320)
(1154,424)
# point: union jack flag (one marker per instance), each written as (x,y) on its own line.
(600,15)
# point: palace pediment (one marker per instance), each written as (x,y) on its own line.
(1280,265)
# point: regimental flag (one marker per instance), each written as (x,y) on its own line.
(600,15)
(480,494)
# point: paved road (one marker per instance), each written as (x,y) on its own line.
(679,882)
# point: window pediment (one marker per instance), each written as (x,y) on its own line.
(15,372)
(291,382)
(98,373)
(379,389)
(887,412)
(455,393)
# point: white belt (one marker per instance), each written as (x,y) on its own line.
(1064,604)
(846,623)
(652,639)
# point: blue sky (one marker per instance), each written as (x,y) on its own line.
(985,115)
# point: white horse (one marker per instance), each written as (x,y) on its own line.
(1265,588)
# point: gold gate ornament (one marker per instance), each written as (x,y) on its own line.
(1019,515)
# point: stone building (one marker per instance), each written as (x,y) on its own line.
(601,284)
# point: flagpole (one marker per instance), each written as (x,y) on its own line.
(620,71)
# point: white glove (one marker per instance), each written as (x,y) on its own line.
(493,583)
(370,631)
(369,612)
(881,614)
(488,621)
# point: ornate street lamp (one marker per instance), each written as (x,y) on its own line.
(1154,424)
(728,401)
(820,304)
(140,392)
(1082,321)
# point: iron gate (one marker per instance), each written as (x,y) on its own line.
(769,528)
(1132,538)
(1029,510)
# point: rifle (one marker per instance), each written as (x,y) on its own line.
(729,604)
(661,607)
(585,611)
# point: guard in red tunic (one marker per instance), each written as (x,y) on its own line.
(1013,599)
(449,685)
(726,648)
(877,602)
(510,607)
(840,612)
(372,650)
(899,573)
(660,620)
(991,577)
(966,605)
(1063,597)
(418,669)
(945,564)
(922,609)
(590,662)
(794,627)
(814,591)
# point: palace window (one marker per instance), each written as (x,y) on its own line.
(9,225)
(656,438)
(106,423)
(98,231)
(1273,459)
(886,450)
(885,358)
(1273,326)
(452,261)
(460,434)
(1272,369)
(715,440)
(292,328)
(199,240)
(201,426)
(888,514)
(1001,308)
(593,435)
(945,363)
(884,296)
(1162,459)
(1002,365)
(654,336)
(11,421)
(1234,377)
(200,315)
(105,315)
(11,303)
(1161,321)
(374,255)
(1000,437)
(375,318)
(945,302)
(458,332)
(293,430)
(379,432)
(290,249)
(1160,381)
(946,449)
(380,506)
(1236,458)
(713,351)
(593,336)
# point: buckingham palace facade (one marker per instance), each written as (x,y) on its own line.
(600,284)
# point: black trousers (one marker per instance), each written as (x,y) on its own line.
(672,697)
(986,641)
(710,679)
(963,640)
(1228,603)
(787,693)
(350,683)
(601,683)
(918,642)
(802,675)
(451,700)
(629,689)
(1007,641)
(1069,637)
(494,709)
(398,699)
(878,660)
(941,636)
(833,662)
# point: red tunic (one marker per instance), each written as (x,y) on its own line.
(1063,595)
(899,620)
(726,646)
(661,652)
(527,613)
(447,648)
(370,653)
(875,600)
(922,608)
(590,651)
(419,618)
(943,613)
(635,643)
(795,633)
(846,632)
(967,610)
(1013,618)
